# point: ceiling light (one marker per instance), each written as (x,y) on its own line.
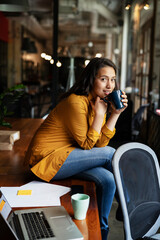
(127,4)
(116,51)
(59,64)
(90,44)
(127,7)
(146,6)
(43,55)
(14,5)
(51,61)
(48,57)
(98,55)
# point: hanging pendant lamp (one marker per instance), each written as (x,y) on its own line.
(14,5)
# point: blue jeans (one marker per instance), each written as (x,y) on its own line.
(94,165)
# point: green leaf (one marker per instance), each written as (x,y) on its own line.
(9,113)
(9,96)
(6,124)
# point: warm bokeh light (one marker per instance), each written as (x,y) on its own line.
(43,55)
(48,57)
(146,6)
(59,64)
(127,7)
(86,62)
(99,55)
(51,61)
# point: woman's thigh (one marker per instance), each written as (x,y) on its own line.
(80,160)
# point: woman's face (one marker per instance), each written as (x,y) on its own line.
(104,83)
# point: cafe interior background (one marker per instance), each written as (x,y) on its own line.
(44,45)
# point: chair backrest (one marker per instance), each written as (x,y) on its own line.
(137,175)
(138,117)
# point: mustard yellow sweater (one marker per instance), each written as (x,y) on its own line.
(68,126)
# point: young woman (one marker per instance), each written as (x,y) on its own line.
(73,139)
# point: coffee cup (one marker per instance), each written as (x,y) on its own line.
(80,204)
(115,98)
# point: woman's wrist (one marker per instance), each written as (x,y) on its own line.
(111,122)
(99,115)
(116,113)
(98,121)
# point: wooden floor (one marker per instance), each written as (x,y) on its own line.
(14,173)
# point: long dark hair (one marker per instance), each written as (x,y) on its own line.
(85,83)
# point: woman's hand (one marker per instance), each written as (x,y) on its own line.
(115,113)
(125,103)
(99,106)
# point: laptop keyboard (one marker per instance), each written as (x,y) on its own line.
(37,226)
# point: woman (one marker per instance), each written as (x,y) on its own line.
(73,139)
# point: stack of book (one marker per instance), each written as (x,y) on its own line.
(7,139)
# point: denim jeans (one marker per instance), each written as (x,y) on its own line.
(95,165)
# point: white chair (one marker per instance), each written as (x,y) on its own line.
(137,175)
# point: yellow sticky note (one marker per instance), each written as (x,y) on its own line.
(2,205)
(24,192)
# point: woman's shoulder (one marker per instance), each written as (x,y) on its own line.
(74,98)
(73,103)
(77,102)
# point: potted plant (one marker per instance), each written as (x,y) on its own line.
(7,98)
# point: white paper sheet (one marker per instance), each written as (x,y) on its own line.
(58,190)
(43,194)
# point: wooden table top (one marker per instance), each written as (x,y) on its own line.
(13,173)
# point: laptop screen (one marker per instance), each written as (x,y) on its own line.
(6,230)
(5,210)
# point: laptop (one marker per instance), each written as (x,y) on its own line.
(36,223)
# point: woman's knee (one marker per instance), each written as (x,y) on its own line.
(109,150)
(104,178)
(108,153)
